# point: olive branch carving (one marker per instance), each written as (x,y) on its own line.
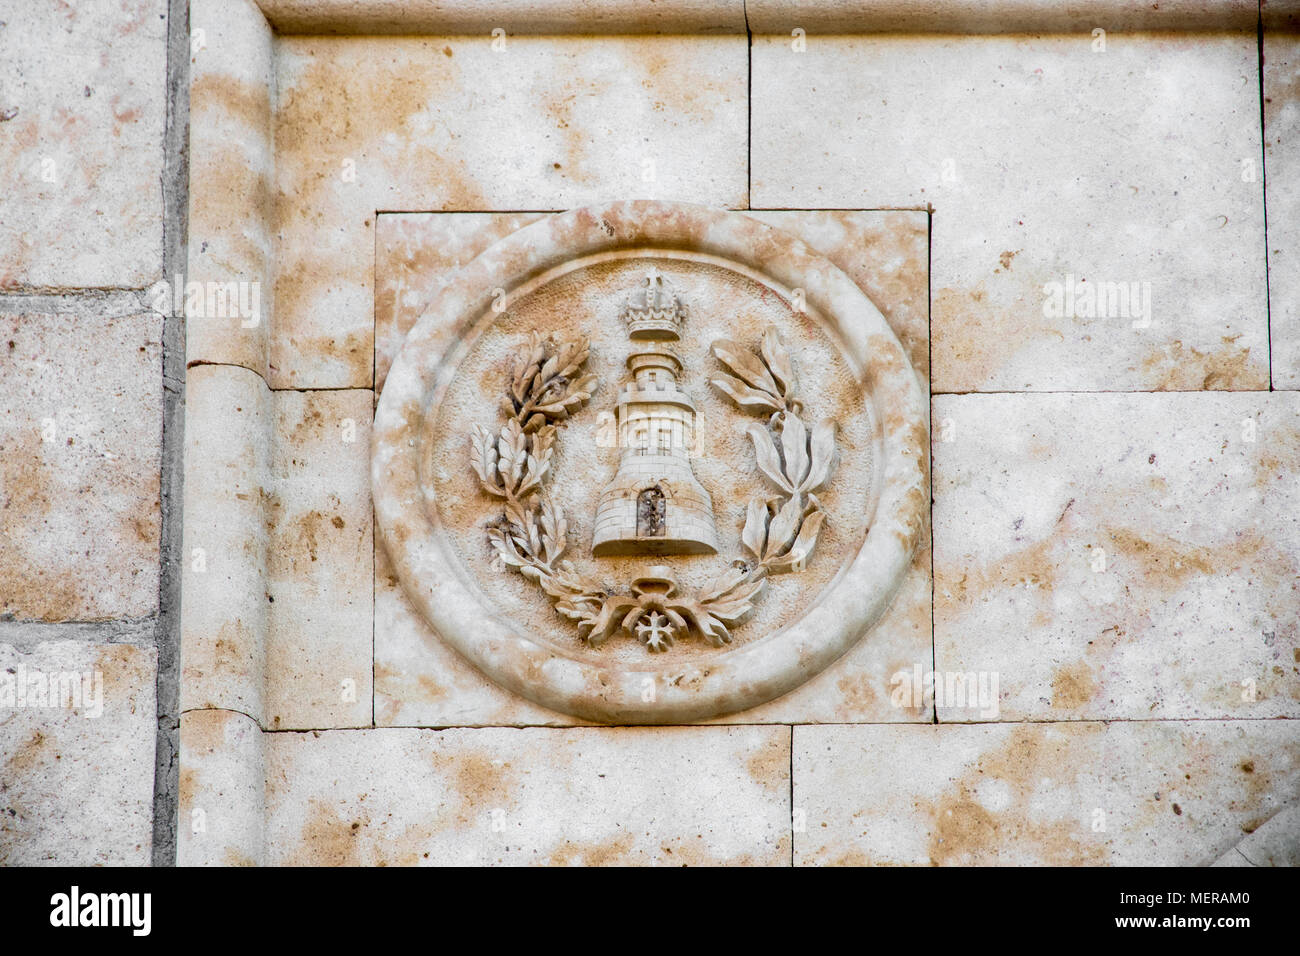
(531,533)
(780,533)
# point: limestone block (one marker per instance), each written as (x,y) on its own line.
(277,603)
(225,598)
(320,571)
(601,17)
(1120,556)
(378,123)
(228,303)
(220,812)
(996,16)
(82,111)
(77,729)
(579,796)
(1150,793)
(1056,167)
(1274,843)
(80,447)
(1282,159)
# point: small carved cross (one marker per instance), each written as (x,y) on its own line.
(651,292)
(656,631)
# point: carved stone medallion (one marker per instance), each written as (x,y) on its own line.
(650,462)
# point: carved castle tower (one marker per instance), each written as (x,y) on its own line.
(654,505)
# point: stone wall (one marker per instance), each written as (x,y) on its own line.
(93,107)
(1115,540)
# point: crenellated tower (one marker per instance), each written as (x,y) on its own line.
(654,504)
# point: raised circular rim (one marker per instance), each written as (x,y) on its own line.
(439,587)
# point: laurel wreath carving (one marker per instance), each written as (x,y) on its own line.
(530,535)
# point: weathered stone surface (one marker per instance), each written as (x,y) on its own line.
(1125,793)
(366,124)
(483,16)
(320,575)
(579,796)
(416,257)
(277,605)
(1275,843)
(80,438)
(994,16)
(1282,159)
(420,680)
(76,778)
(1120,556)
(82,111)
(886,252)
(229,308)
(220,815)
(975,126)
(225,594)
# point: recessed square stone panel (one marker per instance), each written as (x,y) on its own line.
(1064,177)
(77,725)
(581,796)
(419,681)
(694,282)
(80,438)
(1119,556)
(82,109)
(1038,794)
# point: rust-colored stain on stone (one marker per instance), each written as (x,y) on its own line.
(1073,686)
(967,832)
(1175,367)
(80,446)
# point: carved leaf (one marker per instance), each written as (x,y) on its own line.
(755,533)
(781,532)
(823,458)
(520,526)
(736,603)
(539,459)
(794,448)
(722,584)
(530,364)
(712,629)
(512,447)
(803,546)
(569,357)
(765,454)
(747,366)
(504,547)
(746,397)
(778,362)
(597,630)
(534,538)
(483,458)
(554,530)
(579,392)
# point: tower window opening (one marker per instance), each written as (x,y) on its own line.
(650,513)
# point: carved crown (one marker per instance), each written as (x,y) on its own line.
(655,310)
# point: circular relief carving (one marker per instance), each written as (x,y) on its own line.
(650,463)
